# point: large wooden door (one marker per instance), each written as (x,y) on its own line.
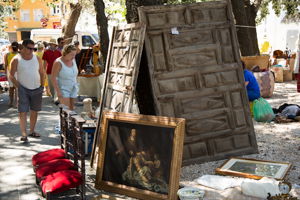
(121,72)
(195,71)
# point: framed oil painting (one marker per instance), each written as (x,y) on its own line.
(140,156)
(255,169)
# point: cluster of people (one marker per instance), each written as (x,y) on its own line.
(32,67)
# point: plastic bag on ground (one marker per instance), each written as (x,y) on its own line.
(262,111)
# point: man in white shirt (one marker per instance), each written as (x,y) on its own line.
(30,81)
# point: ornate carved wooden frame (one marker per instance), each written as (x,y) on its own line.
(176,127)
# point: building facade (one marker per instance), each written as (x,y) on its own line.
(31,14)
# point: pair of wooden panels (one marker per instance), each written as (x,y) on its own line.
(190,68)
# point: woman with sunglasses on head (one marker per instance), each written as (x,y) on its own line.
(64,76)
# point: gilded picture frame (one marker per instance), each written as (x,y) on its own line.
(140,156)
(254,169)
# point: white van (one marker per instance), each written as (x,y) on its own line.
(85,39)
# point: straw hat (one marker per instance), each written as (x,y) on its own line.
(52,41)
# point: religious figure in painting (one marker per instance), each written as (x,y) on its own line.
(144,168)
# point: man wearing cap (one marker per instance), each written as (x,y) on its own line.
(30,81)
(49,57)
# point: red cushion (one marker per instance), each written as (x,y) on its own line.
(61,181)
(53,166)
(46,156)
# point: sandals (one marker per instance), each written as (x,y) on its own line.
(34,134)
(24,139)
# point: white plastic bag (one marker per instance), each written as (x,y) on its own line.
(219,182)
(260,188)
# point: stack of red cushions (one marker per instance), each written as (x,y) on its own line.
(46,156)
(55,173)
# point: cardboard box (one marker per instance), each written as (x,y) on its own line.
(262,61)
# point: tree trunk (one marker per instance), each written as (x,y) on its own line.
(132,5)
(102,28)
(69,28)
(244,38)
(252,13)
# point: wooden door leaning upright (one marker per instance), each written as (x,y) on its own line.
(195,71)
(122,68)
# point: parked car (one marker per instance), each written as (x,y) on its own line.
(85,39)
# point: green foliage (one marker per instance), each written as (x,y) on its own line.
(2,24)
(7,9)
(289,7)
(115,10)
(263,11)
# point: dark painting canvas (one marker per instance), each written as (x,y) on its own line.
(138,156)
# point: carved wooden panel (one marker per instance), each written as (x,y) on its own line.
(122,68)
(195,72)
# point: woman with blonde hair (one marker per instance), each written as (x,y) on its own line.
(64,76)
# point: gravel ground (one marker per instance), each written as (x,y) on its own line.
(276,142)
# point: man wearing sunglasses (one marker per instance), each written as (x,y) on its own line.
(61,43)
(30,81)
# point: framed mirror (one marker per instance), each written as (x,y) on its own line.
(255,169)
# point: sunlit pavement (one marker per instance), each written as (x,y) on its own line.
(17,179)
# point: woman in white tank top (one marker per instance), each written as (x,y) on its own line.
(64,76)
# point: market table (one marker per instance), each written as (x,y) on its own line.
(90,86)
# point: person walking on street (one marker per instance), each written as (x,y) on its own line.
(61,43)
(40,52)
(49,56)
(7,60)
(64,76)
(30,81)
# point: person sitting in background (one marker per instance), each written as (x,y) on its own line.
(252,86)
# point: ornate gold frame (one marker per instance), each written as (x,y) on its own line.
(174,172)
(225,168)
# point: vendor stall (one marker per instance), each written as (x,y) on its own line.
(89,67)
(90,86)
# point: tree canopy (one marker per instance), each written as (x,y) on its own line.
(289,7)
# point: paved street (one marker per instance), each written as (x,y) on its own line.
(17,181)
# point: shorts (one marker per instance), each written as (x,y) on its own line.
(69,91)
(30,99)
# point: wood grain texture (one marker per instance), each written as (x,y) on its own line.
(122,68)
(197,74)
